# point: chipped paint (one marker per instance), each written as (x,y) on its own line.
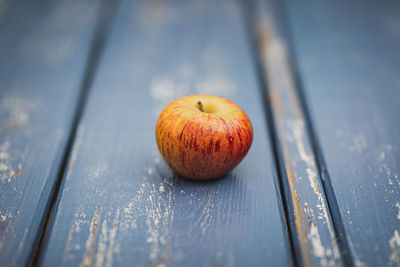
(298,154)
(212,78)
(112,242)
(394,243)
(359,143)
(17,113)
(161,188)
(91,241)
(21,245)
(157,220)
(392,176)
(152,204)
(299,217)
(68,243)
(98,253)
(4,240)
(158,200)
(129,215)
(318,248)
(203,221)
(101,246)
(97,170)
(398,210)
(298,131)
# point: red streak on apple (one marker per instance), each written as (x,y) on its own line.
(203,137)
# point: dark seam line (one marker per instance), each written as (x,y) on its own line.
(330,196)
(281,177)
(105,18)
(249,20)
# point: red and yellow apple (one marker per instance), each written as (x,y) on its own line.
(203,137)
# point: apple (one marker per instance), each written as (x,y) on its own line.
(203,137)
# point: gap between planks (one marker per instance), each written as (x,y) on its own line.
(249,15)
(333,207)
(105,18)
(269,28)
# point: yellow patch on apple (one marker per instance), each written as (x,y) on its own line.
(203,137)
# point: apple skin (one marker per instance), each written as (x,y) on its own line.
(203,137)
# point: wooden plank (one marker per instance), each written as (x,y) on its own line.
(348,58)
(314,231)
(120,204)
(43,48)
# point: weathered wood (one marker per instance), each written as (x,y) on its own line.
(119,203)
(348,58)
(313,230)
(43,48)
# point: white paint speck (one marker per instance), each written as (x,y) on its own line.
(359,143)
(18,110)
(3,167)
(3,156)
(394,244)
(102,245)
(97,170)
(339,133)
(211,77)
(398,210)
(6,165)
(150,170)
(112,242)
(219,85)
(318,248)
(90,242)
(298,131)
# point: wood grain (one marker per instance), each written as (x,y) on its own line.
(314,234)
(43,48)
(119,203)
(348,60)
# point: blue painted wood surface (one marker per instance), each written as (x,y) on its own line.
(119,203)
(333,123)
(314,234)
(348,56)
(43,48)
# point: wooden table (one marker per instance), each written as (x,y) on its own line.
(83,81)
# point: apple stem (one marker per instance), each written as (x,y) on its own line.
(200,106)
